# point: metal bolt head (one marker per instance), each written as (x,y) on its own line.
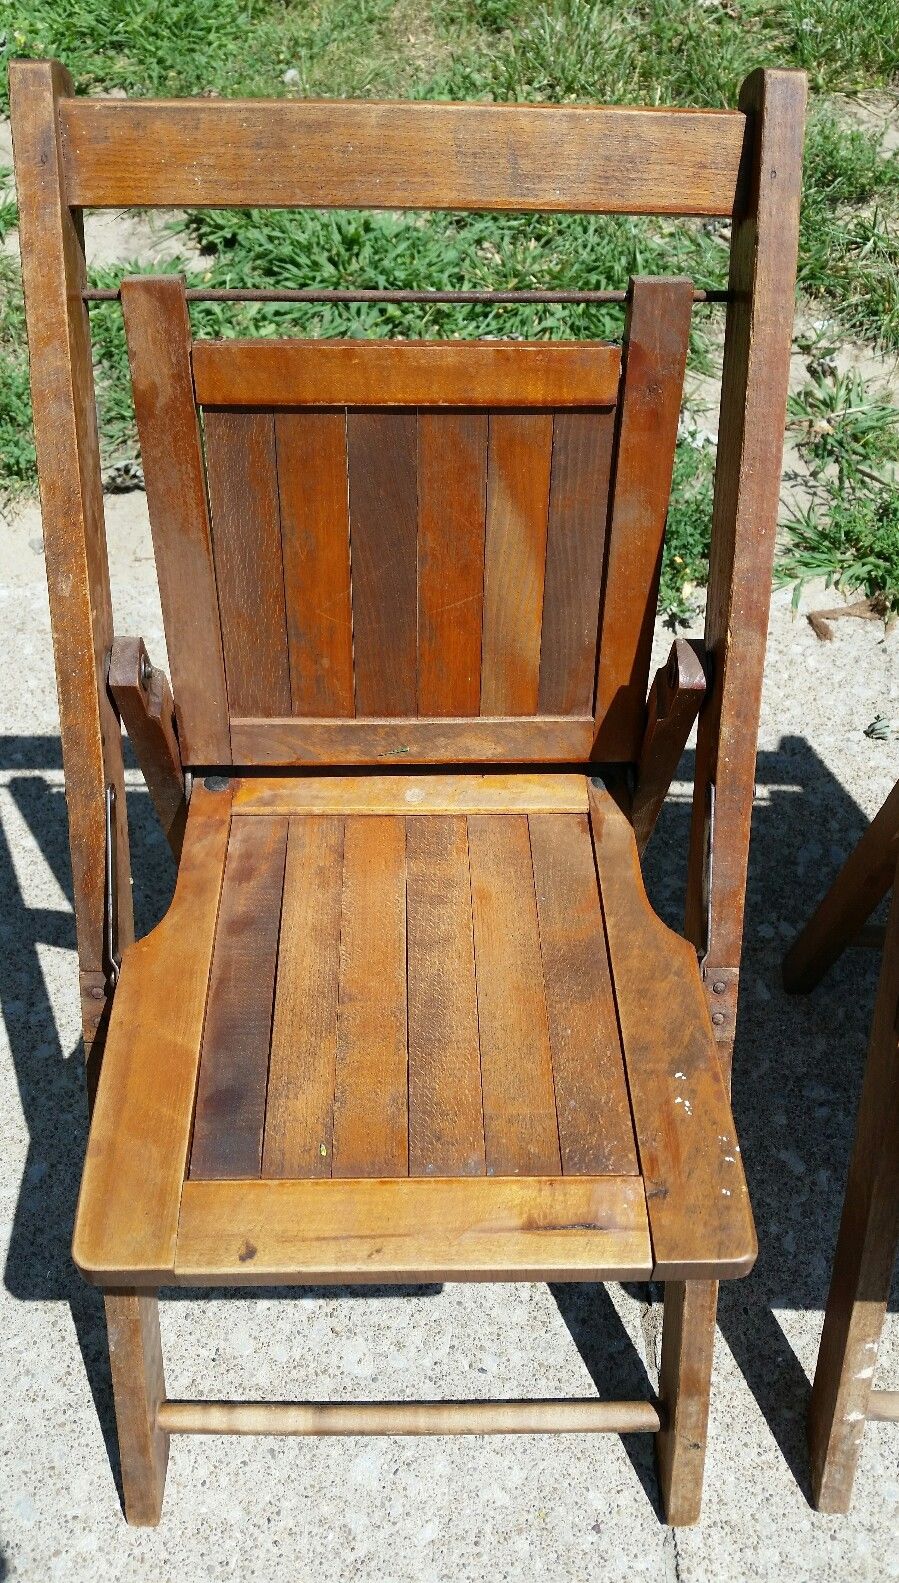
(717,1018)
(719,986)
(145,674)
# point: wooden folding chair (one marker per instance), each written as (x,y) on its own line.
(410,1016)
(843,1397)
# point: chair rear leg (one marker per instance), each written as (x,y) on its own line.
(866,1251)
(685,1378)
(138,1384)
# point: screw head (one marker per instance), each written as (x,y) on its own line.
(719,986)
(96,993)
(145,675)
(717,1018)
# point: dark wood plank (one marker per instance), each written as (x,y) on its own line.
(518,470)
(699,1214)
(370,1094)
(520,1130)
(452,503)
(300,1103)
(446,1123)
(862,882)
(246,534)
(578,508)
(393,156)
(356,373)
(542,739)
(68,459)
(865,1255)
(657,334)
(758,340)
(382,453)
(230,1110)
(157,329)
(315,541)
(595,1132)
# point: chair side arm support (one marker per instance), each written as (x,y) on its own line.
(675,700)
(143,698)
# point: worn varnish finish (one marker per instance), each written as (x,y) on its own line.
(157,331)
(65,432)
(400,156)
(656,337)
(317,962)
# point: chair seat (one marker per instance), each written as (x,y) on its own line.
(410,1027)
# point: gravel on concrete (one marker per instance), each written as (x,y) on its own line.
(414,1510)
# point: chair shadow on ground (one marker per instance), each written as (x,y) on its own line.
(797,1073)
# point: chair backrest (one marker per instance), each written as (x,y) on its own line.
(745,165)
(404,552)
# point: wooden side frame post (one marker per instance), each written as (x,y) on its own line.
(758,339)
(757,344)
(138,1383)
(68,455)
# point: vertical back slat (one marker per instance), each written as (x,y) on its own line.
(315,540)
(518,472)
(578,508)
(246,531)
(157,329)
(452,489)
(656,338)
(382,453)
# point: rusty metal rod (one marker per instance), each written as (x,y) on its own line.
(258,294)
(408,1418)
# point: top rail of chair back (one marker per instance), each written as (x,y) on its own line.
(329,154)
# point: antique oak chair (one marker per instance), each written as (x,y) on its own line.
(410,1016)
(843,1397)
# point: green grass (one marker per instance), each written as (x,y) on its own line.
(652,51)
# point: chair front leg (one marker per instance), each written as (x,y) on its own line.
(138,1384)
(685,1378)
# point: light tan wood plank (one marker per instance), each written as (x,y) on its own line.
(518,471)
(140,1132)
(446,1123)
(563,739)
(388,156)
(300,1101)
(521,792)
(315,542)
(370,1135)
(467,1228)
(699,1212)
(452,504)
(595,1130)
(520,1129)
